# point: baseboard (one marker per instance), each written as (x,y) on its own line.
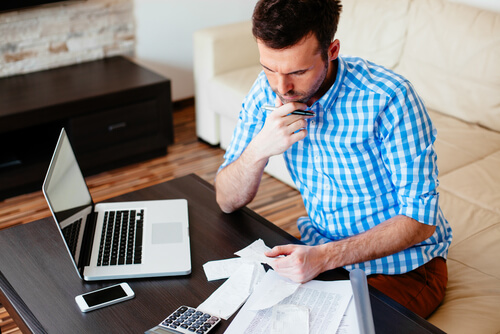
(184,103)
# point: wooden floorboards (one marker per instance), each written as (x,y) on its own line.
(275,201)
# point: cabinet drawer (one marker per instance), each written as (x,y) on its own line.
(107,128)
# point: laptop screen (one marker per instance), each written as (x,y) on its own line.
(67,195)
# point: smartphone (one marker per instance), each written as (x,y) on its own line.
(104,297)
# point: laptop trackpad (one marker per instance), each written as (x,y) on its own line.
(166,233)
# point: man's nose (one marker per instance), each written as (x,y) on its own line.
(284,84)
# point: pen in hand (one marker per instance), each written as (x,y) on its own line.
(295,112)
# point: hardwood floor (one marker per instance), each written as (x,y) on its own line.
(275,201)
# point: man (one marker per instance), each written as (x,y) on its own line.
(364,163)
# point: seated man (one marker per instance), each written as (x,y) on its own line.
(364,163)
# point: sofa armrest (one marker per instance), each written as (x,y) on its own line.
(224,48)
(218,50)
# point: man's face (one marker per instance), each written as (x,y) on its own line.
(295,73)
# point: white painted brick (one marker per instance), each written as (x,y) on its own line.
(65,33)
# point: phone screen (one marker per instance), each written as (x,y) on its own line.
(105,295)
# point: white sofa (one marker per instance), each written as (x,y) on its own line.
(451,54)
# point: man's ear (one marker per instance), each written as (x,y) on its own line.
(333,50)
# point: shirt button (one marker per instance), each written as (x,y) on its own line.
(316,158)
(327,187)
(313,122)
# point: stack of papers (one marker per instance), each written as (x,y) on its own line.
(244,273)
(325,304)
(252,254)
(275,304)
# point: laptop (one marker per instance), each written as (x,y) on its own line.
(115,240)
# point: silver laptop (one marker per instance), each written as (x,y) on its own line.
(115,240)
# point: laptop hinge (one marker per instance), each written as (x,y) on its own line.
(88,237)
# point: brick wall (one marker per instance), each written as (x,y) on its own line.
(65,33)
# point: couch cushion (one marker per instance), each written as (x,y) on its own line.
(452,58)
(479,250)
(363,33)
(471,303)
(466,219)
(477,183)
(459,143)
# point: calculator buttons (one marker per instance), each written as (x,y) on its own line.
(189,320)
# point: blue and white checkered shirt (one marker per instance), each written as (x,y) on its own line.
(368,156)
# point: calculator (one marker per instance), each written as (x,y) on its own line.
(186,320)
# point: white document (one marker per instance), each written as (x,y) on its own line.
(243,272)
(228,298)
(290,319)
(277,290)
(326,301)
(222,269)
(255,252)
(349,323)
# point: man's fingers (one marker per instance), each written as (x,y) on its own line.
(288,268)
(279,250)
(286,109)
(275,251)
(278,103)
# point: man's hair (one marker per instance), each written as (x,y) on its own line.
(280,24)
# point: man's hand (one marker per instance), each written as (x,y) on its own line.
(300,263)
(280,131)
(236,185)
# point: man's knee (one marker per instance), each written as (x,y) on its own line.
(420,290)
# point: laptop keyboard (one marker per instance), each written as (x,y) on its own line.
(121,238)
(71,233)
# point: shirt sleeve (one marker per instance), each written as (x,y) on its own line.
(407,138)
(250,121)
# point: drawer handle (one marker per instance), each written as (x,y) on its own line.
(116,126)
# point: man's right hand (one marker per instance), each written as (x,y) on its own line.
(236,185)
(280,131)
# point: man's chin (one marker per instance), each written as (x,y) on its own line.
(299,99)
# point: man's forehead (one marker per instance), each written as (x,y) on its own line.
(298,57)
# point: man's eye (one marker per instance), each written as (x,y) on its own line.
(299,73)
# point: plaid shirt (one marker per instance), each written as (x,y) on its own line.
(368,156)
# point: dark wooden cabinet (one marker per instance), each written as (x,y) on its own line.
(115,112)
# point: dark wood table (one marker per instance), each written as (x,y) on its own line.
(38,283)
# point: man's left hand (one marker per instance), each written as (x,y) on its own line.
(298,262)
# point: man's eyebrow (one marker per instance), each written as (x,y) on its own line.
(294,72)
(267,68)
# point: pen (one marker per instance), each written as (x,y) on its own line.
(295,112)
